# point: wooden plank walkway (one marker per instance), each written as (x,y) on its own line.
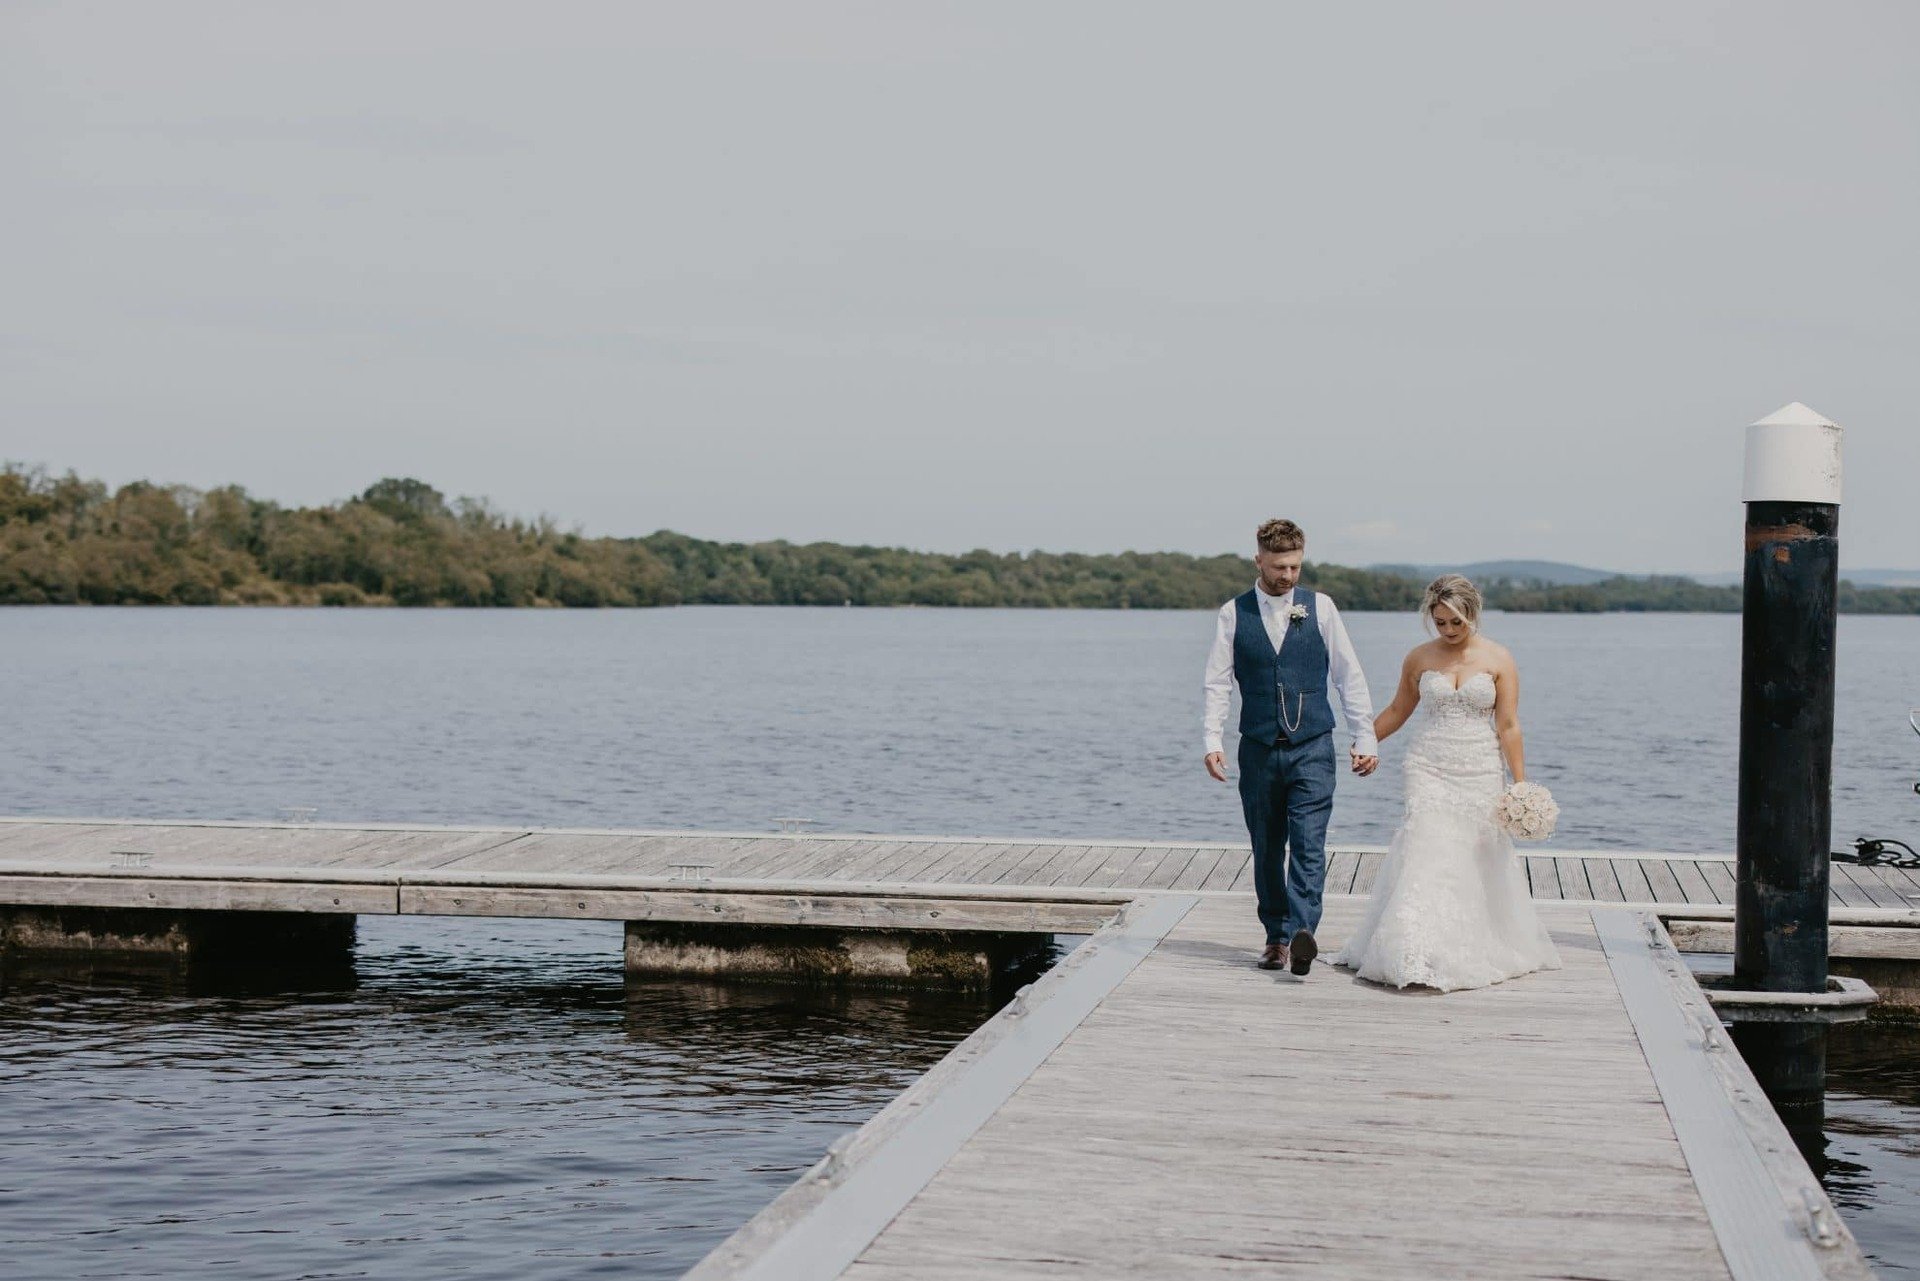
(1153,1106)
(56,847)
(1323,1126)
(1210,1119)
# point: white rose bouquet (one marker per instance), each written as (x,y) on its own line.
(1527,811)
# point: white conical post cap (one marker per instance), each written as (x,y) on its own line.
(1793,456)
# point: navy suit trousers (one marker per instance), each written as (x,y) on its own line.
(1286,793)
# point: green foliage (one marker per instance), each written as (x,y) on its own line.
(68,541)
(1621,594)
(1666,594)
(64,540)
(405,499)
(782,573)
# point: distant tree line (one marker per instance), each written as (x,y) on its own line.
(64,540)
(1665,593)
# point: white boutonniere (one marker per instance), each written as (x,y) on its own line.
(1295,615)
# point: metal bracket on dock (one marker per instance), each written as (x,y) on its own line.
(1820,1227)
(1712,1036)
(690,871)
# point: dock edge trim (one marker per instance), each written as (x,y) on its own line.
(1762,1201)
(823,1222)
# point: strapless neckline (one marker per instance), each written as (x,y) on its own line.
(1454,686)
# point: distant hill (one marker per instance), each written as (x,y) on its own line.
(1551,573)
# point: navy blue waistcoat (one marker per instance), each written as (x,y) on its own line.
(1283,697)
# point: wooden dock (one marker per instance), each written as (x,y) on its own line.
(1208,1118)
(1154,1106)
(305,866)
(1191,1116)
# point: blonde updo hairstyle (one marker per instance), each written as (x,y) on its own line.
(1457,594)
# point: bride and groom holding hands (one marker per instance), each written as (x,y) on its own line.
(1450,908)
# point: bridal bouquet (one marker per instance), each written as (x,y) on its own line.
(1527,811)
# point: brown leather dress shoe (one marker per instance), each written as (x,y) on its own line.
(1274,957)
(1303,951)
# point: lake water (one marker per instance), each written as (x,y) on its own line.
(488,1098)
(1014,723)
(1869,1155)
(481,1099)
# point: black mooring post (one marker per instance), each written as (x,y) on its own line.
(1789,1060)
(1786,702)
(1786,746)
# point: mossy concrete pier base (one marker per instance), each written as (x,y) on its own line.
(1896,979)
(279,939)
(965,960)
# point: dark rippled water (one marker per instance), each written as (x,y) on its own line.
(488,1098)
(1870,1158)
(475,1099)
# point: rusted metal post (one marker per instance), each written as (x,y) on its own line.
(1792,493)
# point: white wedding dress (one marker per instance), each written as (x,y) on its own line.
(1451,909)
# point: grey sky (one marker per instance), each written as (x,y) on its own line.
(1442,282)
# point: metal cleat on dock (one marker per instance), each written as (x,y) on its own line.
(833,1166)
(1820,1227)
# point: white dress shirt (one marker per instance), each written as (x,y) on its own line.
(1343,668)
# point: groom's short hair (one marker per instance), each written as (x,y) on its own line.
(1280,536)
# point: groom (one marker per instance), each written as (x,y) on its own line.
(1282,645)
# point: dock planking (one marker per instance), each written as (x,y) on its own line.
(306,852)
(1601,879)
(1203,1118)
(1172,1155)
(1174,1112)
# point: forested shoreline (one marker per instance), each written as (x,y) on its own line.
(65,540)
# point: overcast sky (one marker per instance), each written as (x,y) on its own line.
(1442,282)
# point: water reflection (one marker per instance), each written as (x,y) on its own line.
(1789,1060)
(1868,1155)
(173,977)
(1850,1097)
(487,1098)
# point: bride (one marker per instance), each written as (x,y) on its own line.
(1451,909)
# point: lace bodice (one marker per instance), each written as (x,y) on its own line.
(1454,763)
(1471,701)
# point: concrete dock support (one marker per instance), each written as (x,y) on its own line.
(278,939)
(956,960)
